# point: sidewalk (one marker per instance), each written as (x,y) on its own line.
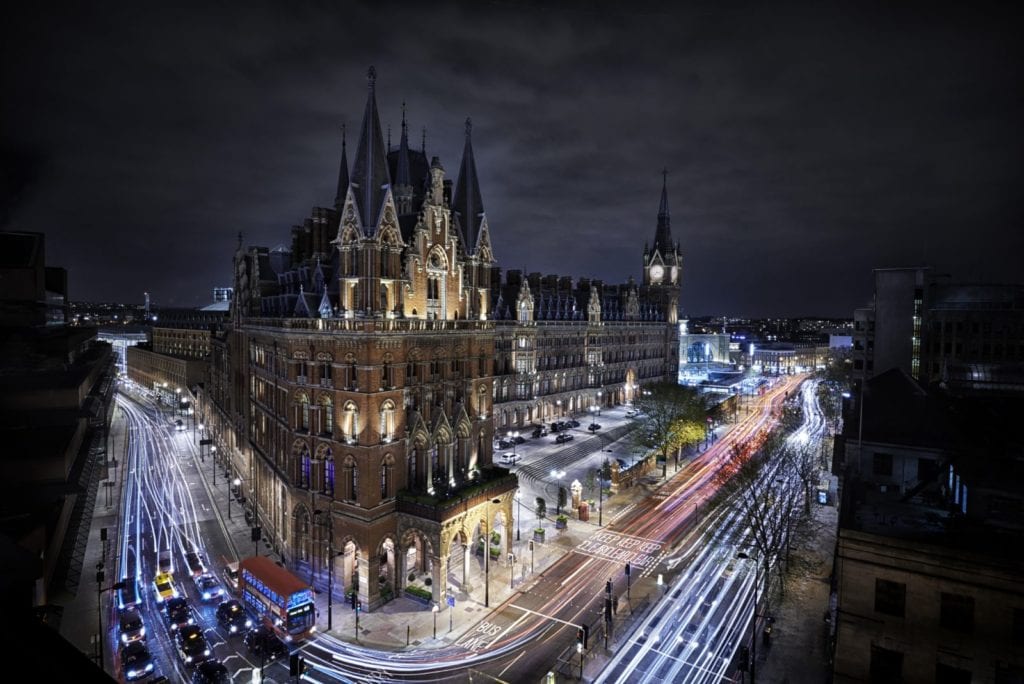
(798,652)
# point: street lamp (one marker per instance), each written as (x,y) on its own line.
(213,456)
(177,400)
(513,435)
(99,608)
(599,402)
(600,497)
(330,571)
(487,556)
(434,611)
(557,475)
(558,408)
(519,501)
(236,482)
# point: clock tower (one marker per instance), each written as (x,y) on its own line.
(662,261)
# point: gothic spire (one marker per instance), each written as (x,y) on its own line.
(339,198)
(370,178)
(402,175)
(663,235)
(467,205)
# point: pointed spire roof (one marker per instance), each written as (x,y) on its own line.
(339,198)
(402,175)
(467,203)
(663,235)
(370,177)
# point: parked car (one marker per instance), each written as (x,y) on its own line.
(519,439)
(564,437)
(263,643)
(573,423)
(504,443)
(136,660)
(594,427)
(132,627)
(232,617)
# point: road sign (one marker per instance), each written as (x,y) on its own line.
(451,601)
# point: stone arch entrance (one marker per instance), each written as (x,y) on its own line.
(458,563)
(416,560)
(387,569)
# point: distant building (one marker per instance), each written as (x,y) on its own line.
(222,294)
(966,336)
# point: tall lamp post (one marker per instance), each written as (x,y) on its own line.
(513,435)
(519,501)
(213,457)
(487,556)
(99,608)
(330,570)
(177,401)
(236,482)
(600,497)
(599,402)
(557,476)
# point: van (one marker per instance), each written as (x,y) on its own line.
(128,594)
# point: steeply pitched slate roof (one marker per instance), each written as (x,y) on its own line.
(370,178)
(467,203)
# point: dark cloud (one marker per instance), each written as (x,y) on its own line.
(806,145)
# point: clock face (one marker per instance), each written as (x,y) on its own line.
(656,272)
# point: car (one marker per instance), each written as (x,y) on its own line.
(163,586)
(594,427)
(230,574)
(179,613)
(630,413)
(690,635)
(519,439)
(208,587)
(564,437)
(192,645)
(263,643)
(132,627)
(195,563)
(574,423)
(136,660)
(232,617)
(211,672)
(179,426)
(128,594)
(164,561)
(505,443)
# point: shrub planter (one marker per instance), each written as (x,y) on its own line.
(561,522)
(419,595)
(538,534)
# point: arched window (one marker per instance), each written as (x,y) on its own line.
(329,474)
(387,421)
(303,412)
(304,468)
(385,478)
(410,480)
(327,420)
(349,421)
(352,480)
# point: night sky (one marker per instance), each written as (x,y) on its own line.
(805,146)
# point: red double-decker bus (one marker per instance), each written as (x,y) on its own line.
(279,598)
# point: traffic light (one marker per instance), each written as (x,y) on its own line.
(608,587)
(627,569)
(583,636)
(294,663)
(352,597)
